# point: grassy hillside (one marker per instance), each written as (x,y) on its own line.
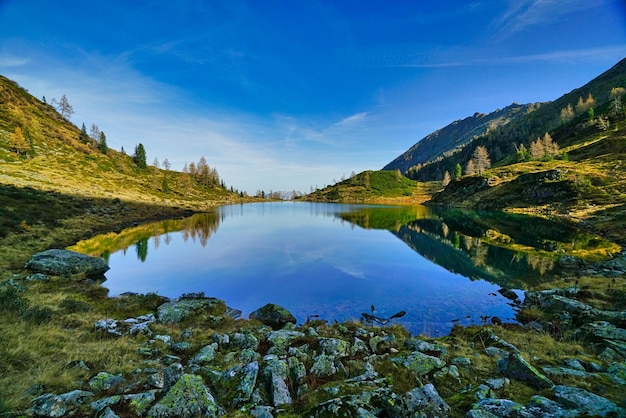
(374,187)
(501,142)
(59,189)
(586,183)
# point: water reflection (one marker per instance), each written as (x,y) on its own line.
(336,261)
(197,228)
(513,251)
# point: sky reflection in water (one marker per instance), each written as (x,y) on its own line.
(306,258)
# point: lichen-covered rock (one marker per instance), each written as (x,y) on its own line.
(176,311)
(244,340)
(423,402)
(104,382)
(420,363)
(273,315)
(297,373)
(334,347)
(516,367)
(275,374)
(600,330)
(51,405)
(239,383)
(365,404)
(66,263)
(281,340)
(426,347)
(502,408)
(324,365)
(205,355)
(108,413)
(586,402)
(189,397)
(139,403)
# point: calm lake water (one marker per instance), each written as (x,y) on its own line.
(336,261)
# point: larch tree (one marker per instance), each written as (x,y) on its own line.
(446,179)
(94,133)
(536,149)
(470,168)
(550,147)
(481,159)
(18,142)
(65,108)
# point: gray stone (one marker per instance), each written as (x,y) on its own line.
(461,361)
(108,325)
(420,363)
(189,397)
(573,363)
(424,402)
(108,413)
(334,347)
(480,413)
(104,382)
(503,408)
(103,403)
(243,380)
(175,311)
(280,391)
(205,355)
(139,403)
(244,340)
(544,407)
(586,402)
(617,373)
(282,339)
(600,330)
(66,263)
(50,405)
(262,411)
(497,384)
(324,365)
(426,347)
(516,367)
(273,315)
(565,371)
(297,373)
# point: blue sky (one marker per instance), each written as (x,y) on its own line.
(282,95)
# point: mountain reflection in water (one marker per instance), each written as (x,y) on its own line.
(336,260)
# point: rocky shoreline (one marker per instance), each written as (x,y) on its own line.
(268,366)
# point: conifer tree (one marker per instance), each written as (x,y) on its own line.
(102,143)
(140,156)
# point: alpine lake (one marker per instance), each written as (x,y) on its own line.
(338,261)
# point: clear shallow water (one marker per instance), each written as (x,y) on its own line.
(330,260)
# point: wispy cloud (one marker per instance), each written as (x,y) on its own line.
(610,53)
(523,14)
(9,61)
(352,120)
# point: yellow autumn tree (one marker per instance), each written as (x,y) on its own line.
(18,142)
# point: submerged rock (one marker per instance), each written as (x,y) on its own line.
(66,263)
(273,315)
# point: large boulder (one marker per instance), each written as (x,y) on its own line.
(273,315)
(189,397)
(176,311)
(515,366)
(66,263)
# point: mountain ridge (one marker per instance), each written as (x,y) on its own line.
(457,134)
